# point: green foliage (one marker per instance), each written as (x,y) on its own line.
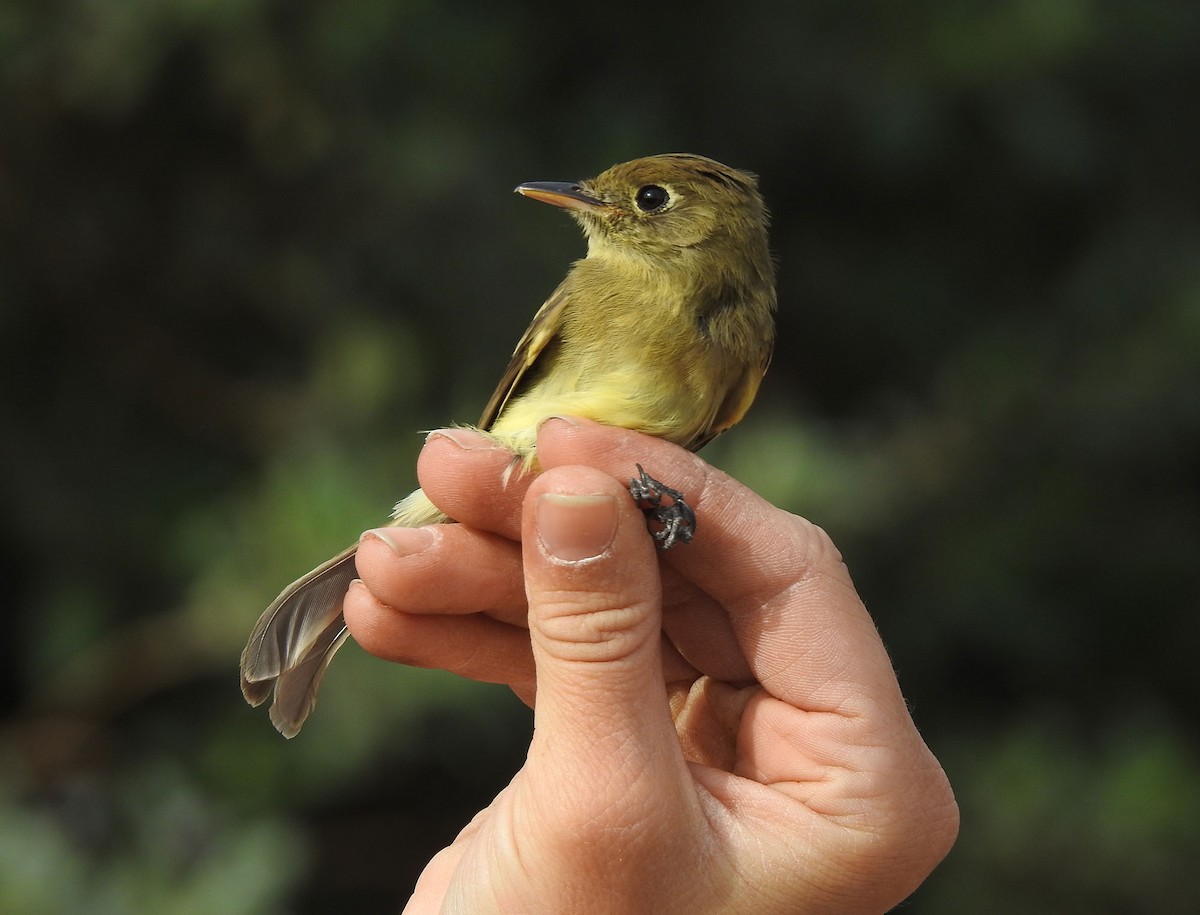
(239,237)
(1056,822)
(153,843)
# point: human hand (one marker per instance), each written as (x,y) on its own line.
(718,728)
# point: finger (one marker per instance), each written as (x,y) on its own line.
(452,571)
(474,646)
(790,601)
(699,630)
(464,472)
(445,569)
(474,480)
(594,603)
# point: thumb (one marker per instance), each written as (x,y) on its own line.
(595,602)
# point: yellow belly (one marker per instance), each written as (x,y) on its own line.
(668,404)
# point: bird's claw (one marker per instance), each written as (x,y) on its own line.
(676,521)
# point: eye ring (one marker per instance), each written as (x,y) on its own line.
(651,198)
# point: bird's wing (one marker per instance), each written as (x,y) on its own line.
(737,401)
(544,329)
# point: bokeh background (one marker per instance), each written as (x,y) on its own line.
(249,247)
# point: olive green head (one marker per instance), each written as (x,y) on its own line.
(664,206)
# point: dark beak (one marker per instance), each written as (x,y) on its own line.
(562,194)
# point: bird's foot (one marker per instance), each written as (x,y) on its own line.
(669,523)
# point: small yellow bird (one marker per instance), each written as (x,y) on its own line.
(665,327)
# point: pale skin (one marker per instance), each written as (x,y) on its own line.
(718,727)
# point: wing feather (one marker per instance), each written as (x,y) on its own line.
(545,327)
(737,401)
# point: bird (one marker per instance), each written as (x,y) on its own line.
(666,327)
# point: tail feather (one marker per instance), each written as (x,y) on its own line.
(296,689)
(303,626)
(297,636)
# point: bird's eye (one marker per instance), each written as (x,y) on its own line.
(651,198)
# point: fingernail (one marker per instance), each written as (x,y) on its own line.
(467,439)
(569,420)
(573,528)
(403,541)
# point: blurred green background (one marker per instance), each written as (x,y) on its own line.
(239,237)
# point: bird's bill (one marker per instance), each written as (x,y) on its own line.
(562,194)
